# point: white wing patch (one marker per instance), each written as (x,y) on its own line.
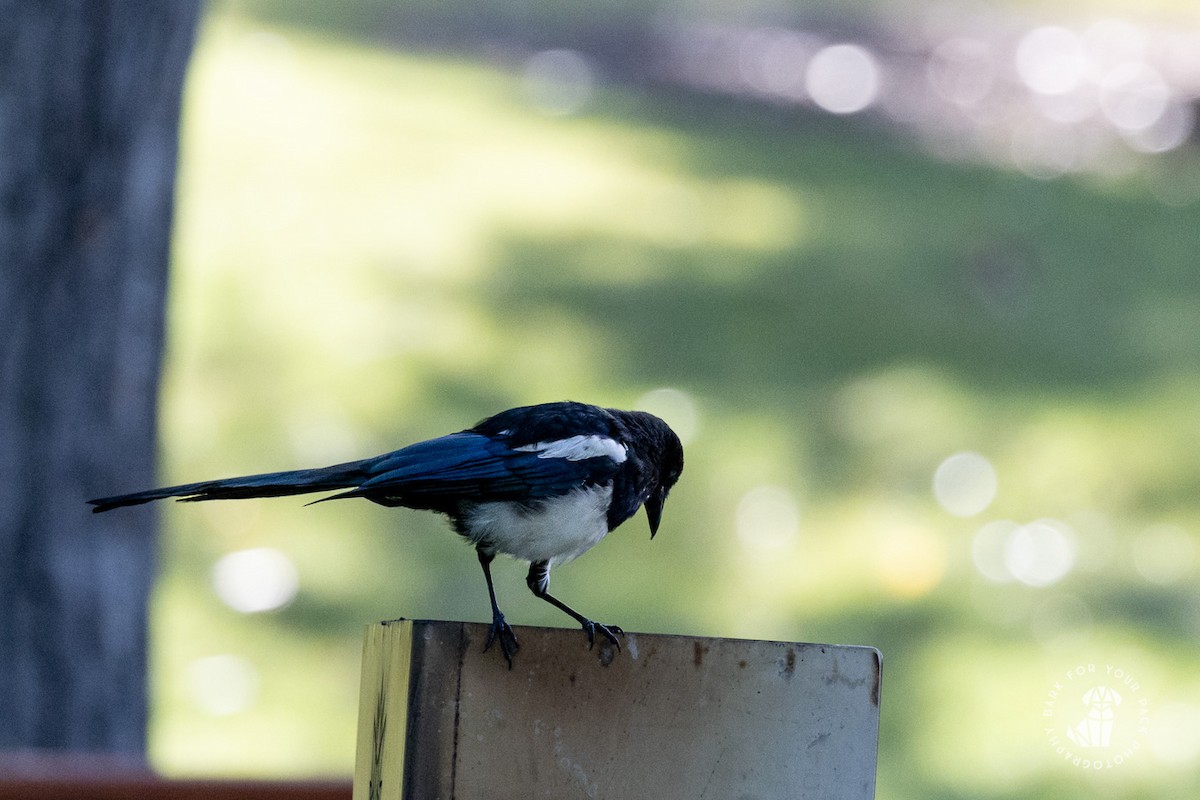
(577,448)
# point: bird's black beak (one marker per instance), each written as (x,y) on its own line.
(654,507)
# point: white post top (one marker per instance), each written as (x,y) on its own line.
(667,717)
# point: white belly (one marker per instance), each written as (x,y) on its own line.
(558,531)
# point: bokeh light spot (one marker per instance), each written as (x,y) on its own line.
(1133,96)
(1051,60)
(675,407)
(965,484)
(987,550)
(842,78)
(1169,131)
(1040,553)
(260,579)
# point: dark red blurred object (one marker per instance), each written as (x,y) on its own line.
(87,776)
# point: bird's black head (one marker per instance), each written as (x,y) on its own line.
(661,455)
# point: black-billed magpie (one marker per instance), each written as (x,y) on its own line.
(542,483)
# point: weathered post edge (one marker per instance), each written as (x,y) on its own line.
(668,716)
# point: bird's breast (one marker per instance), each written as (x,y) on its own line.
(556,530)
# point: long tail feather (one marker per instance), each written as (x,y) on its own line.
(270,484)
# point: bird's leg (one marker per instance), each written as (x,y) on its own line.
(499,628)
(538,581)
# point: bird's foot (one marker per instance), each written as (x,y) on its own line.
(501,630)
(610,632)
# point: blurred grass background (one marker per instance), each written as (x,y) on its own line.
(376,245)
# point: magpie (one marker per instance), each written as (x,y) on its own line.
(542,483)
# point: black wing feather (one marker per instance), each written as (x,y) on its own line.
(474,468)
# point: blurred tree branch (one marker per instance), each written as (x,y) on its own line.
(89,113)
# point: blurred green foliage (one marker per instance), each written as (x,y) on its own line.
(375,247)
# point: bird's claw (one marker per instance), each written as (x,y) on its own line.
(500,629)
(610,632)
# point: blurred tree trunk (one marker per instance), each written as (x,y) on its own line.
(89,109)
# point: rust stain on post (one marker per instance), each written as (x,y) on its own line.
(698,651)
